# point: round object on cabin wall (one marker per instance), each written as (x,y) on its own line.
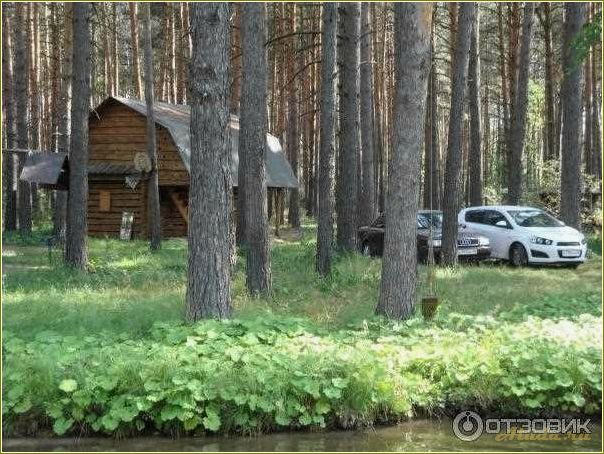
(142,163)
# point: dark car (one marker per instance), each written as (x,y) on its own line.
(470,246)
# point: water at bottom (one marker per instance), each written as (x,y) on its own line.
(421,435)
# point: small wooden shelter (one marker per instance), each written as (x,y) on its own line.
(117,177)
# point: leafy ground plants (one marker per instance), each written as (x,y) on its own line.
(107,352)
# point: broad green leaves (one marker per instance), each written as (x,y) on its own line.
(242,376)
(68,385)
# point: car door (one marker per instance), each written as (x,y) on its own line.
(483,222)
(498,230)
(473,220)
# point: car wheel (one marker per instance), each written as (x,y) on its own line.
(366,249)
(518,255)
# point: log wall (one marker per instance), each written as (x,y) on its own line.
(122,198)
(116,135)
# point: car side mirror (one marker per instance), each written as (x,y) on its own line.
(501,224)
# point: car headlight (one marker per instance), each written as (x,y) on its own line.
(483,241)
(539,240)
(436,243)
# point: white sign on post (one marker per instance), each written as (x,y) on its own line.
(126,228)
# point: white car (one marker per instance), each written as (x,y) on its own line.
(525,235)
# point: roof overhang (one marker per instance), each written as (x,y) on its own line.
(50,170)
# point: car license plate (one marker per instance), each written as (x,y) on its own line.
(467,251)
(571,253)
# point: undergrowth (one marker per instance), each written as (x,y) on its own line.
(107,351)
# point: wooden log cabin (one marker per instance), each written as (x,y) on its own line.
(117,156)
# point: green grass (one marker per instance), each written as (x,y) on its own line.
(130,288)
(108,351)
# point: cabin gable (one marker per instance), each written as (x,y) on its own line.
(117,133)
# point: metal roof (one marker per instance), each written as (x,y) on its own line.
(176,119)
(44,168)
(107,168)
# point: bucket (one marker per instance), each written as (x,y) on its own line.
(429,306)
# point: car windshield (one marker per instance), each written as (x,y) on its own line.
(432,219)
(534,218)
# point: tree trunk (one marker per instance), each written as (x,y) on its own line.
(327,152)
(551,151)
(115,50)
(22,96)
(432,146)
(8,161)
(234,105)
(596,137)
(34,126)
(367,208)
(181,50)
(587,151)
(64,120)
(453,170)
(252,146)
(293,138)
(107,47)
(347,184)
(413,23)
(136,72)
(154,219)
(236,52)
(475,152)
(172,40)
(505,90)
(76,253)
(209,270)
(519,108)
(570,169)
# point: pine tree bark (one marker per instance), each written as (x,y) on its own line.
(367,208)
(234,104)
(327,151)
(252,145)
(115,50)
(505,90)
(570,203)
(8,90)
(136,72)
(107,47)
(475,153)
(154,219)
(172,40)
(413,23)
(348,152)
(432,166)
(236,51)
(453,166)
(22,96)
(596,135)
(551,151)
(293,138)
(181,50)
(516,169)
(34,126)
(209,270)
(587,141)
(76,253)
(64,119)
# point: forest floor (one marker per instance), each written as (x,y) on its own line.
(108,351)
